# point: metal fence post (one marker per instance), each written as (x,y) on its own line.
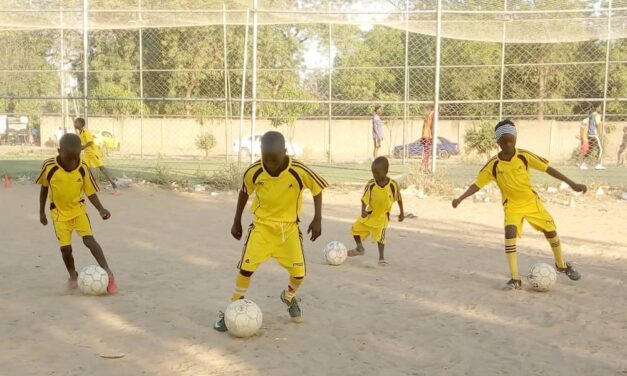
(436,104)
(85,57)
(141,81)
(253,123)
(607,68)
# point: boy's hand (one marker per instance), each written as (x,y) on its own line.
(401,217)
(236,230)
(364,214)
(43,219)
(315,229)
(105,214)
(579,188)
(456,202)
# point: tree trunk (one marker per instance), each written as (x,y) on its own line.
(543,74)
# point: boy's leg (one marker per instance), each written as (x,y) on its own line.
(98,254)
(242,283)
(68,260)
(561,265)
(359,247)
(512,258)
(291,256)
(105,172)
(556,247)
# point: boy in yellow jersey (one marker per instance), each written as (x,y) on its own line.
(91,152)
(510,170)
(379,196)
(66,178)
(278,182)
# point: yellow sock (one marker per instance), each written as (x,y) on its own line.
(510,252)
(292,287)
(556,246)
(241,285)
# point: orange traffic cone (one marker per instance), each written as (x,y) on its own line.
(6,181)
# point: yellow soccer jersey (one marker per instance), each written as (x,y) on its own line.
(93,149)
(280,198)
(66,188)
(513,177)
(379,201)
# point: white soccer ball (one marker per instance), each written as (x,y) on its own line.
(541,276)
(335,253)
(93,280)
(243,318)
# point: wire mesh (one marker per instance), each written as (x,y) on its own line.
(160,74)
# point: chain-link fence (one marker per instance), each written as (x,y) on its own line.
(196,79)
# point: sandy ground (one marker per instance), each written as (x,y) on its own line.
(437,310)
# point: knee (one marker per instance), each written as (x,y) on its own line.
(299,277)
(66,250)
(550,234)
(245,273)
(89,241)
(510,232)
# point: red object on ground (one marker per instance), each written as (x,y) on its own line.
(6,181)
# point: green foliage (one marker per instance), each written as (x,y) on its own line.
(480,139)
(226,179)
(206,142)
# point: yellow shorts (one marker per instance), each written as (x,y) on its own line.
(281,241)
(63,229)
(93,160)
(535,214)
(376,234)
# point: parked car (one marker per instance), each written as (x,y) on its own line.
(446,148)
(293,150)
(106,140)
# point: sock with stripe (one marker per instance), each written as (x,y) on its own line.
(242,283)
(294,284)
(556,246)
(510,252)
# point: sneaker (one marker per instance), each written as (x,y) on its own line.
(600,167)
(583,166)
(220,325)
(292,307)
(570,271)
(513,284)
(112,288)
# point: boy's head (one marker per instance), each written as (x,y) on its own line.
(505,133)
(598,107)
(79,123)
(624,129)
(378,110)
(70,149)
(273,150)
(380,168)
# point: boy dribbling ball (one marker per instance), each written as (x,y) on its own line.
(510,170)
(379,196)
(66,178)
(278,182)
(91,152)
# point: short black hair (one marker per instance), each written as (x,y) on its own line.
(272,138)
(80,121)
(377,107)
(504,122)
(381,161)
(70,141)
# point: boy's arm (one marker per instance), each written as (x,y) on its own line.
(104,213)
(236,229)
(315,228)
(558,175)
(87,145)
(43,197)
(469,192)
(401,216)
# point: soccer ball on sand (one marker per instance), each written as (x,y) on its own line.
(335,253)
(243,318)
(541,276)
(93,280)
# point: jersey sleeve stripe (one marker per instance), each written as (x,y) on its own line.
(93,181)
(321,182)
(534,155)
(47,163)
(487,164)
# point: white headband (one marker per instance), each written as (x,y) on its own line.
(505,129)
